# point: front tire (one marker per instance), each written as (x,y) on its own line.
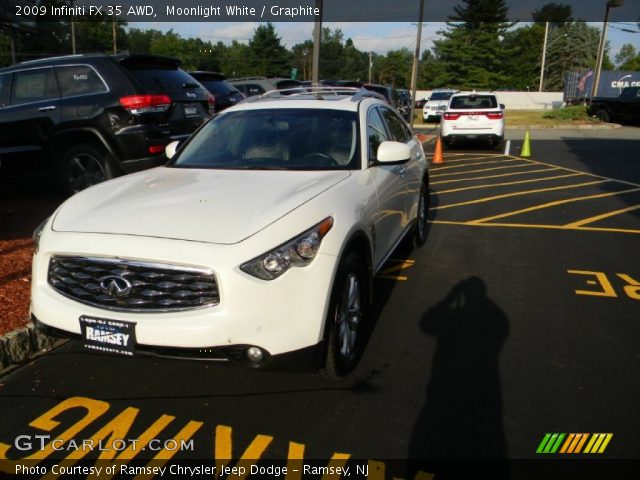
(83,166)
(421,227)
(348,316)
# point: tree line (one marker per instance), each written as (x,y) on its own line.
(477,48)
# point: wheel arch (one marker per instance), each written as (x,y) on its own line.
(77,136)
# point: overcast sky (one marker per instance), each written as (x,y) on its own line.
(377,37)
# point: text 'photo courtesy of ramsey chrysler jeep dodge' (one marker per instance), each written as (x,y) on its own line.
(88,118)
(256,243)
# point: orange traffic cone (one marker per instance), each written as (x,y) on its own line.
(437,155)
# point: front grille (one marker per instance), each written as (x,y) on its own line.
(128,285)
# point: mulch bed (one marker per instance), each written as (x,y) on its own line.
(21,211)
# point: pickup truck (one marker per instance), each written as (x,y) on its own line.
(626,107)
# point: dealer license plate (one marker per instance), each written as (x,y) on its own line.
(109,336)
(190,110)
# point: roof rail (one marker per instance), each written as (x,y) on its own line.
(320,92)
(239,79)
(54,57)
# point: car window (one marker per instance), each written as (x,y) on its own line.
(396,126)
(441,95)
(251,89)
(473,101)
(5,80)
(275,139)
(219,87)
(79,80)
(35,85)
(376,132)
(161,80)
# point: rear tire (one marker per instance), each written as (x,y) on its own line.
(603,115)
(348,316)
(83,166)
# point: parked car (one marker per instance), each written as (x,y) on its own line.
(224,93)
(88,118)
(404,100)
(251,86)
(625,108)
(473,116)
(436,104)
(257,243)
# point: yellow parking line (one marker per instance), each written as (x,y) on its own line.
(474,187)
(537,226)
(484,162)
(516,194)
(481,170)
(470,159)
(493,176)
(597,218)
(550,204)
(586,173)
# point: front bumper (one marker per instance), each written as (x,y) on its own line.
(282,316)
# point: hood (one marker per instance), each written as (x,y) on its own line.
(213,206)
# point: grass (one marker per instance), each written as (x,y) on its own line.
(574,115)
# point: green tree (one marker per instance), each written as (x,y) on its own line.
(554,13)
(573,46)
(267,56)
(628,58)
(302,59)
(233,59)
(522,68)
(472,51)
(395,68)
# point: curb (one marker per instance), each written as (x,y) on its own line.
(21,345)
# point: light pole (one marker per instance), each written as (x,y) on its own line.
(544,54)
(414,69)
(603,39)
(317,39)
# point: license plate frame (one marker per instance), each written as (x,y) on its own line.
(108,336)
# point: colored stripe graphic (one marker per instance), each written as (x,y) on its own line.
(550,443)
(574,443)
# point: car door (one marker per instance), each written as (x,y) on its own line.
(390,185)
(400,132)
(28,121)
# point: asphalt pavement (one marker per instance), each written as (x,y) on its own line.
(518,319)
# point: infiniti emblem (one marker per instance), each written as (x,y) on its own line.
(115,286)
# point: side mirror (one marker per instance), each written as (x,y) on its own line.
(502,107)
(170,150)
(393,152)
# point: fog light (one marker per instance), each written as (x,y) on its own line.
(254,354)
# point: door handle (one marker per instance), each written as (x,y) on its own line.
(48,108)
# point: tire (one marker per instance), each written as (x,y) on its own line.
(603,115)
(422,220)
(83,166)
(348,317)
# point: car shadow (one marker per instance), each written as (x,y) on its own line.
(462,416)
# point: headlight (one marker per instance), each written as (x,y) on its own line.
(297,252)
(37,233)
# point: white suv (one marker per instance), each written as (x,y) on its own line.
(256,243)
(436,104)
(473,116)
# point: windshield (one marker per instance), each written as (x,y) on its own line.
(474,101)
(275,139)
(441,96)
